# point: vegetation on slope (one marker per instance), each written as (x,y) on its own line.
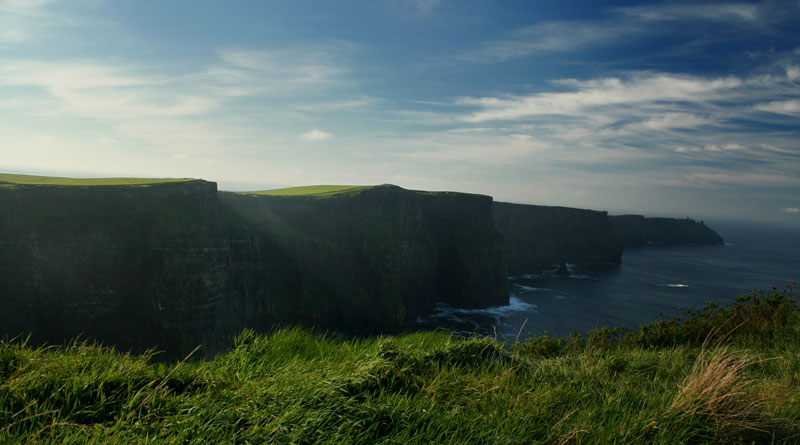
(723,375)
(8,178)
(314,190)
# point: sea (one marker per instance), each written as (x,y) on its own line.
(652,282)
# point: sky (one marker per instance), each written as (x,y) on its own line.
(658,108)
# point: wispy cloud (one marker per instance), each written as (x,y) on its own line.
(299,67)
(790,107)
(315,136)
(620,25)
(67,75)
(658,128)
(162,109)
(346,104)
(248,72)
(104,92)
(790,210)
(548,37)
(20,20)
(637,88)
(747,179)
(721,12)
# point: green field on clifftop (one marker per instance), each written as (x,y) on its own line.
(8,178)
(719,376)
(313,190)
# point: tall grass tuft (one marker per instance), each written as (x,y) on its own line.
(718,389)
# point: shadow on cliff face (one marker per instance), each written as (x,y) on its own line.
(449,276)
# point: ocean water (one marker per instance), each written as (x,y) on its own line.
(652,281)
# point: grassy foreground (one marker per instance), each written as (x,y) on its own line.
(720,376)
(12,179)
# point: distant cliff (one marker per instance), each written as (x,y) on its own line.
(538,237)
(636,230)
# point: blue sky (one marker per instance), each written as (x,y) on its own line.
(663,108)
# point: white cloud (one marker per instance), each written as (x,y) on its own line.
(793,72)
(589,95)
(710,148)
(180,156)
(791,210)
(315,136)
(725,147)
(669,121)
(791,107)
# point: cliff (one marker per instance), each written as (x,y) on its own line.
(177,264)
(133,265)
(383,254)
(636,230)
(142,263)
(538,237)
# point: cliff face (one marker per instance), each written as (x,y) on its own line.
(176,265)
(636,230)
(137,266)
(537,237)
(379,257)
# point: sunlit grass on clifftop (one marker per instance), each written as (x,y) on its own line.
(13,179)
(738,384)
(314,190)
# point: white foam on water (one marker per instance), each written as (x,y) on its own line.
(515,304)
(675,285)
(524,288)
(532,276)
(578,276)
(554,273)
(556,294)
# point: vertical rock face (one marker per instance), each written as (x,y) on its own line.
(381,256)
(175,265)
(538,237)
(636,230)
(136,266)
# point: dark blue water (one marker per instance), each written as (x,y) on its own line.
(652,281)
